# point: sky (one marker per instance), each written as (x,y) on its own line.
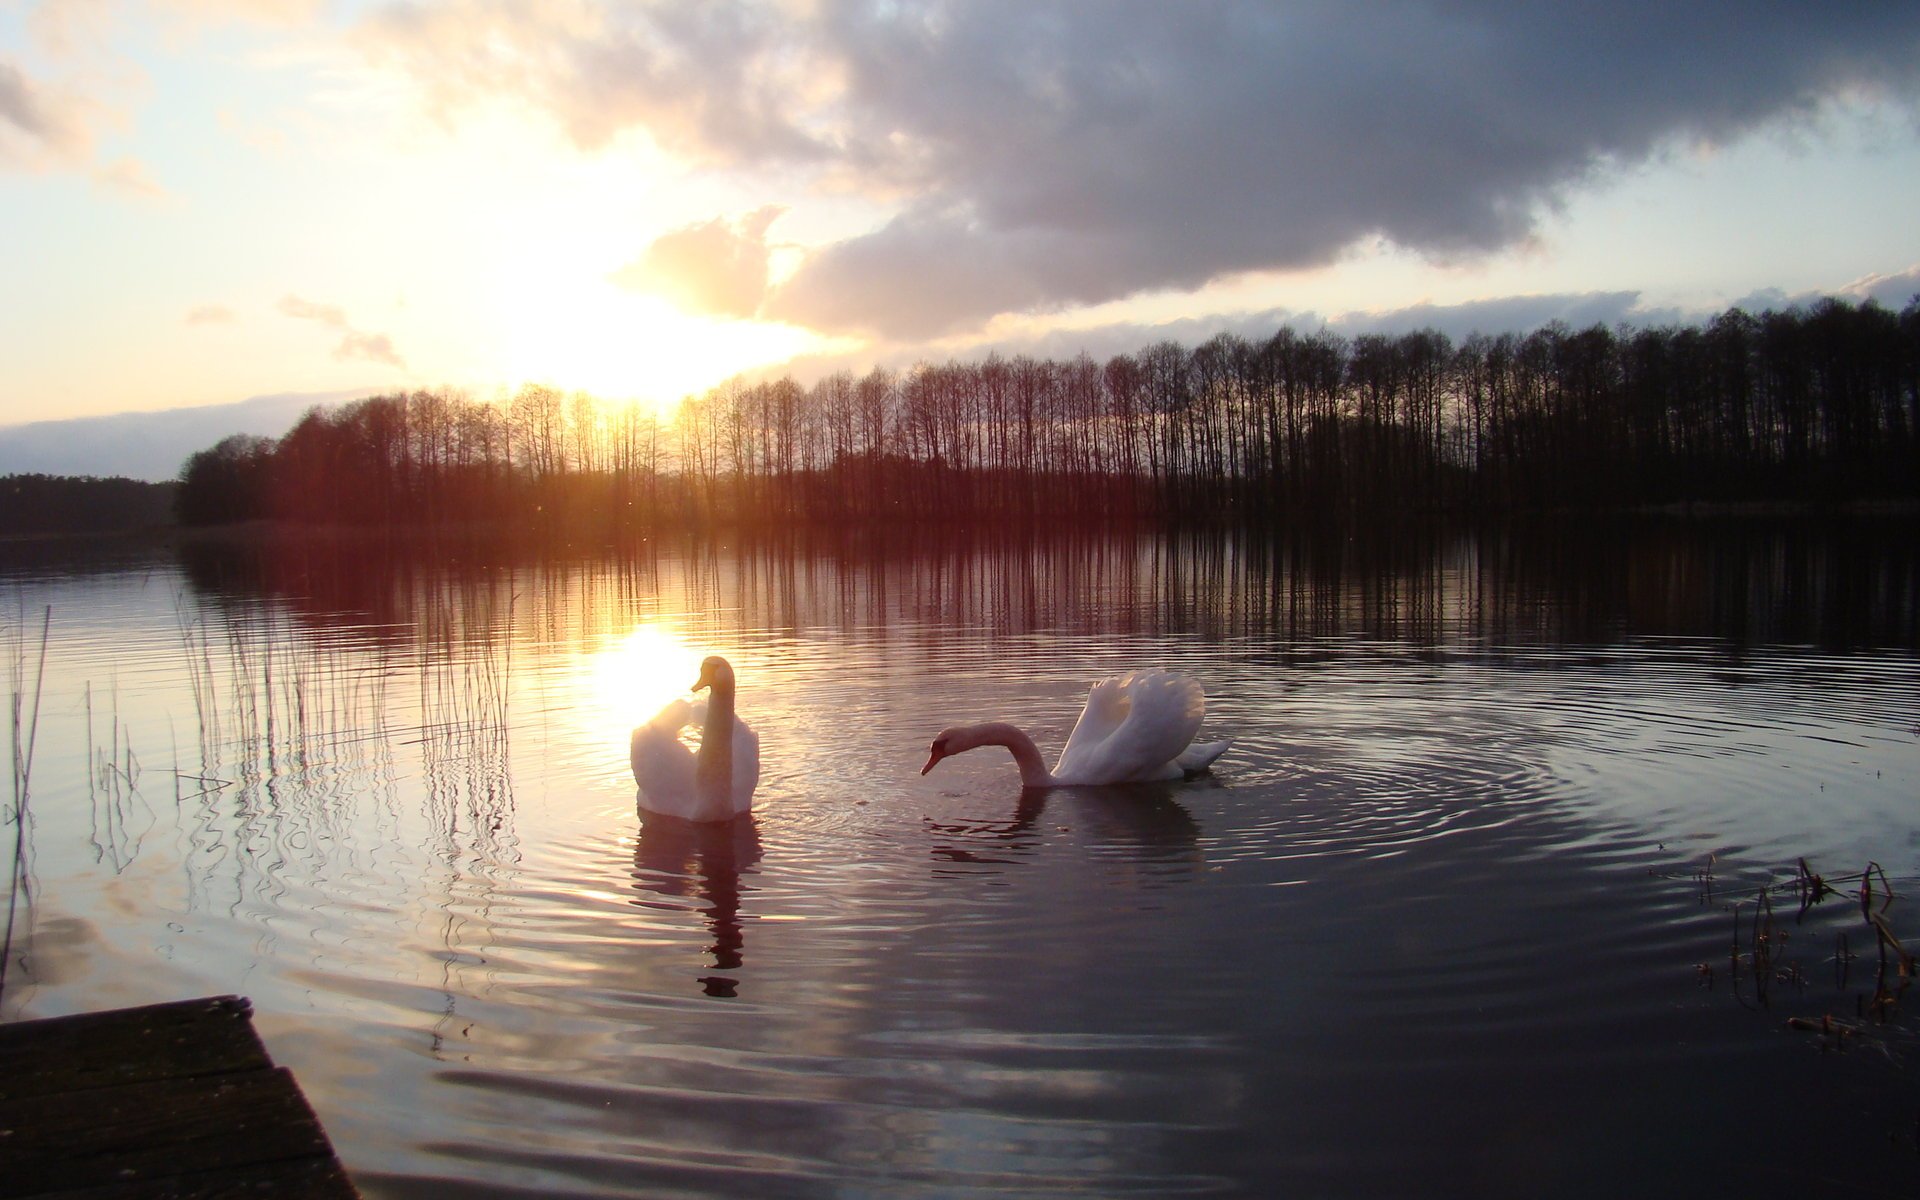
(203,201)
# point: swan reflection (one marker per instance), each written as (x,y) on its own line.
(676,860)
(1140,822)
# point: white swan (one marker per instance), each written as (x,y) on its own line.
(1136,727)
(715,784)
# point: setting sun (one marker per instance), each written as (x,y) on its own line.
(634,678)
(591,335)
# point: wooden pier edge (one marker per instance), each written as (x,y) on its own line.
(174,1100)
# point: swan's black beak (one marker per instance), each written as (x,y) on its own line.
(705,680)
(932,758)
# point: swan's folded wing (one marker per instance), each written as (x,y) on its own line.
(662,765)
(746,764)
(1134,728)
(676,715)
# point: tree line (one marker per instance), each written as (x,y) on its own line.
(1808,405)
(35,505)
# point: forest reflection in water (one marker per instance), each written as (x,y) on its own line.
(1833,584)
(1494,796)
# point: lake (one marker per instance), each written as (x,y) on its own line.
(1496,893)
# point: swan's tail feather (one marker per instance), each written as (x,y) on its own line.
(1199,756)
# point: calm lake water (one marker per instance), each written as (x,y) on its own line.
(1470,908)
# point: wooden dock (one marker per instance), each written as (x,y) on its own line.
(173,1100)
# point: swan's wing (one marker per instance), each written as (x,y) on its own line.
(746,765)
(1108,703)
(1134,728)
(662,764)
(675,716)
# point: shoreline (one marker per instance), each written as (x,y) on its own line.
(258,531)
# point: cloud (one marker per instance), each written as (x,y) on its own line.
(713,267)
(39,127)
(150,445)
(260,137)
(130,177)
(307,310)
(211,314)
(1045,155)
(1515,314)
(1894,291)
(263,12)
(1506,314)
(372,347)
(354,344)
(925,274)
(708,81)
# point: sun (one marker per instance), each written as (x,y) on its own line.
(594,336)
(635,677)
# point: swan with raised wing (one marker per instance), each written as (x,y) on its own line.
(714,783)
(1136,728)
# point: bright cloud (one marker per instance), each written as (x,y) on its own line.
(354,344)
(716,267)
(713,81)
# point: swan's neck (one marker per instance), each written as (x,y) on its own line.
(713,766)
(1033,768)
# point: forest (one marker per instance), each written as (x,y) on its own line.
(39,505)
(1808,406)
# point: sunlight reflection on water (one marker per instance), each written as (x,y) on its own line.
(1452,847)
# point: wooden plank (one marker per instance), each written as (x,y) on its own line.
(296,1179)
(151,1130)
(160,1041)
(171,1100)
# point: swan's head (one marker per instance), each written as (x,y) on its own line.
(958,739)
(942,746)
(714,672)
(950,742)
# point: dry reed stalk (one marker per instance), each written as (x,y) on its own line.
(17,882)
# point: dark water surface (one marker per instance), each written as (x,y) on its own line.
(1471,908)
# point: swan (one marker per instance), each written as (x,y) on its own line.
(715,784)
(1137,727)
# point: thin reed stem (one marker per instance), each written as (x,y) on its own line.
(17,888)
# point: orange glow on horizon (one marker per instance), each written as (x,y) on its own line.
(591,335)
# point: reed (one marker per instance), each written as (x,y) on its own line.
(301,712)
(24,716)
(113,788)
(1760,943)
(465,665)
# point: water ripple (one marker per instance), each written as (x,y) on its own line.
(404,825)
